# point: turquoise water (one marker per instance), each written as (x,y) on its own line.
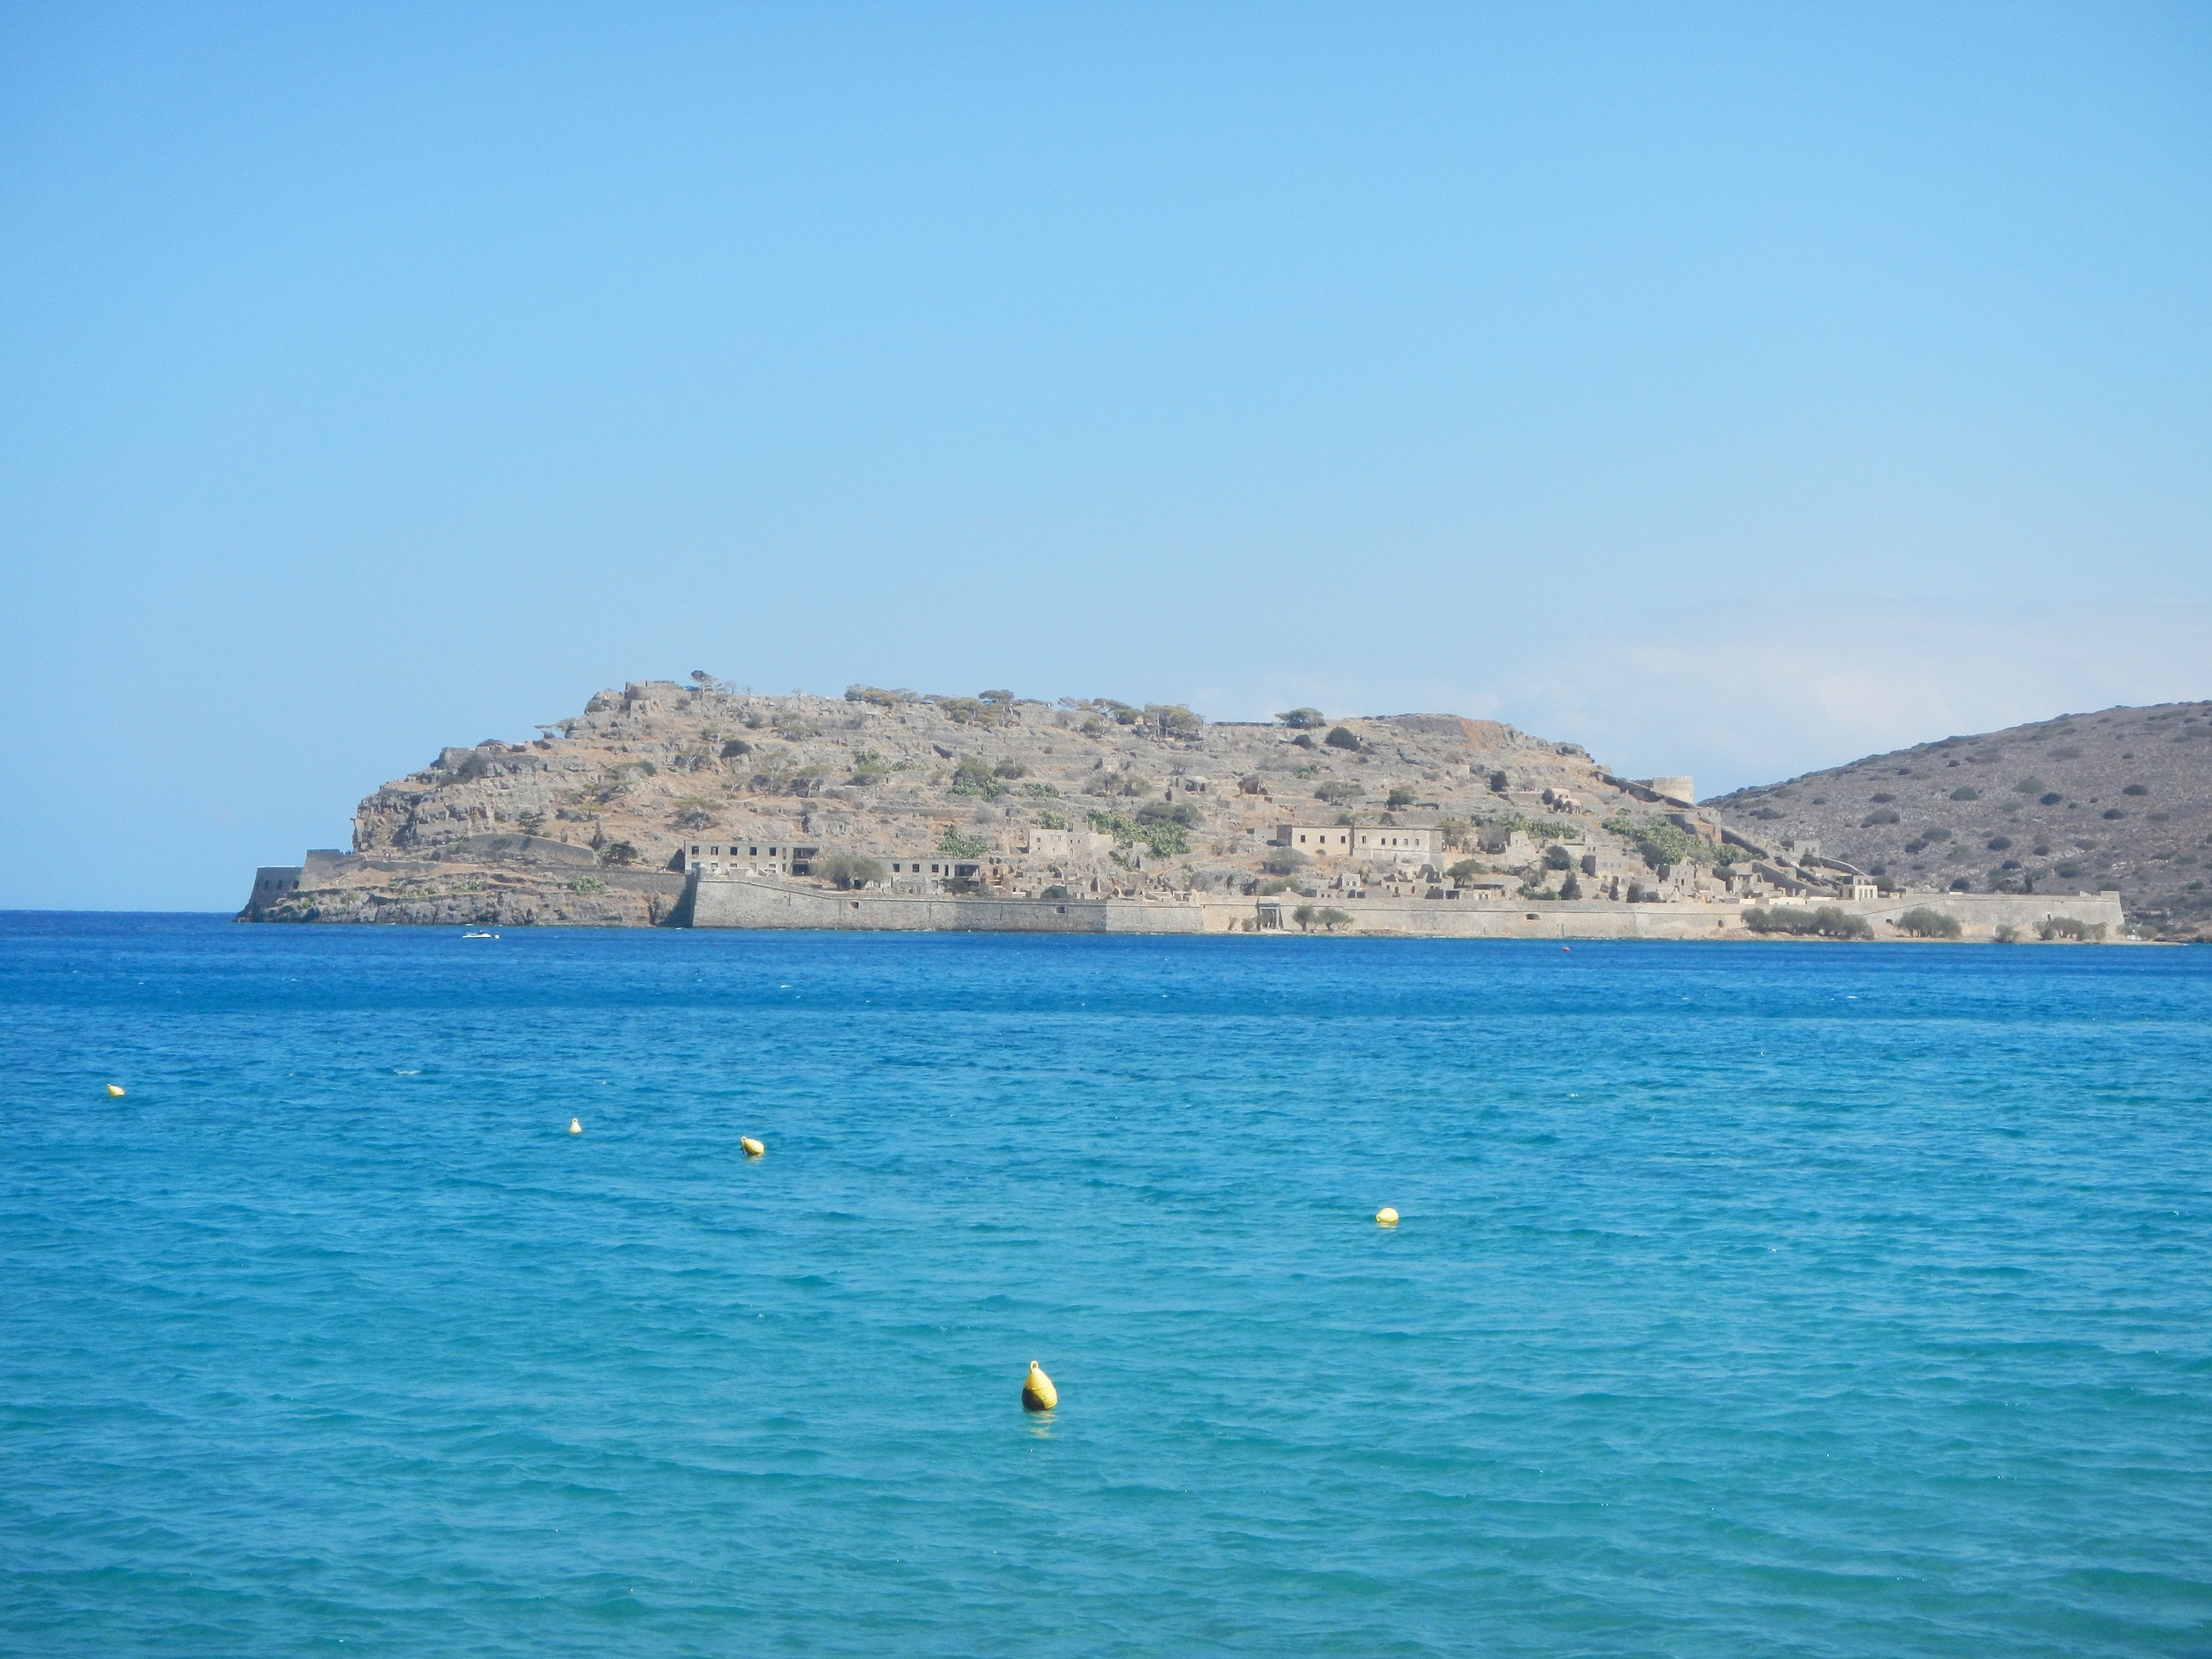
(1750,1299)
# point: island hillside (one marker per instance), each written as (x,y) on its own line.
(2119,799)
(613,816)
(594,821)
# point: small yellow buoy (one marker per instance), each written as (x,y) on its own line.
(115,1091)
(576,1126)
(1038,1394)
(1386,1216)
(753,1149)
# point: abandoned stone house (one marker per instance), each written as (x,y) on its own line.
(1316,841)
(1398,844)
(753,857)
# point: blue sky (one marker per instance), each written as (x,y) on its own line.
(1731,389)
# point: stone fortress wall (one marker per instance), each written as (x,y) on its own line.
(718,903)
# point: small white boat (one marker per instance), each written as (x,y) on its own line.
(480,935)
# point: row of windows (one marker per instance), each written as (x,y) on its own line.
(750,852)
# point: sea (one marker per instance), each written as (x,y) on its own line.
(1802,1299)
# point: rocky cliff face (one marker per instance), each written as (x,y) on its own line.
(2120,799)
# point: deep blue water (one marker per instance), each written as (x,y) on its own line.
(1750,1299)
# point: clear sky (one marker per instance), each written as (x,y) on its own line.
(1731,389)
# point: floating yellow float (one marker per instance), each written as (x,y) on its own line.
(1386,1216)
(576,1126)
(1038,1394)
(115,1091)
(753,1149)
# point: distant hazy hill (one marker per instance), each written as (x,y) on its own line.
(2117,799)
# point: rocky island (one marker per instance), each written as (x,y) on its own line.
(708,805)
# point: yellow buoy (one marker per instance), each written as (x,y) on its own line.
(576,1126)
(753,1149)
(1386,1216)
(115,1091)
(1038,1394)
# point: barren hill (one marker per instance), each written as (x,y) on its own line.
(2120,798)
(584,823)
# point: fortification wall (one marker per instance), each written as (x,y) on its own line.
(1979,916)
(711,903)
(725,902)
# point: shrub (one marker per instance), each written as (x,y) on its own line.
(1339,738)
(693,812)
(735,747)
(1168,812)
(1338,790)
(1284,861)
(588,884)
(1827,922)
(1267,887)
(988,787)
(1166,839)
(1965,884)
(1883,800)
(1967,793)
(849,869)
(1872,818)
(1303,719)
(2052,799)
(1938,834)
(2053,928)
(1173,719)
(876,694)
(1056,892)
(1557,858)
(2112,812)
(1669,844)
(618,853)
(2135,789)
(1780,918)
(2007,934)
(2030,786)
(1998,844)
(1463,873)
(1252,783)
(1400,797)
(953,844)
(1923,922)
(1010,769)
(1571,887)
